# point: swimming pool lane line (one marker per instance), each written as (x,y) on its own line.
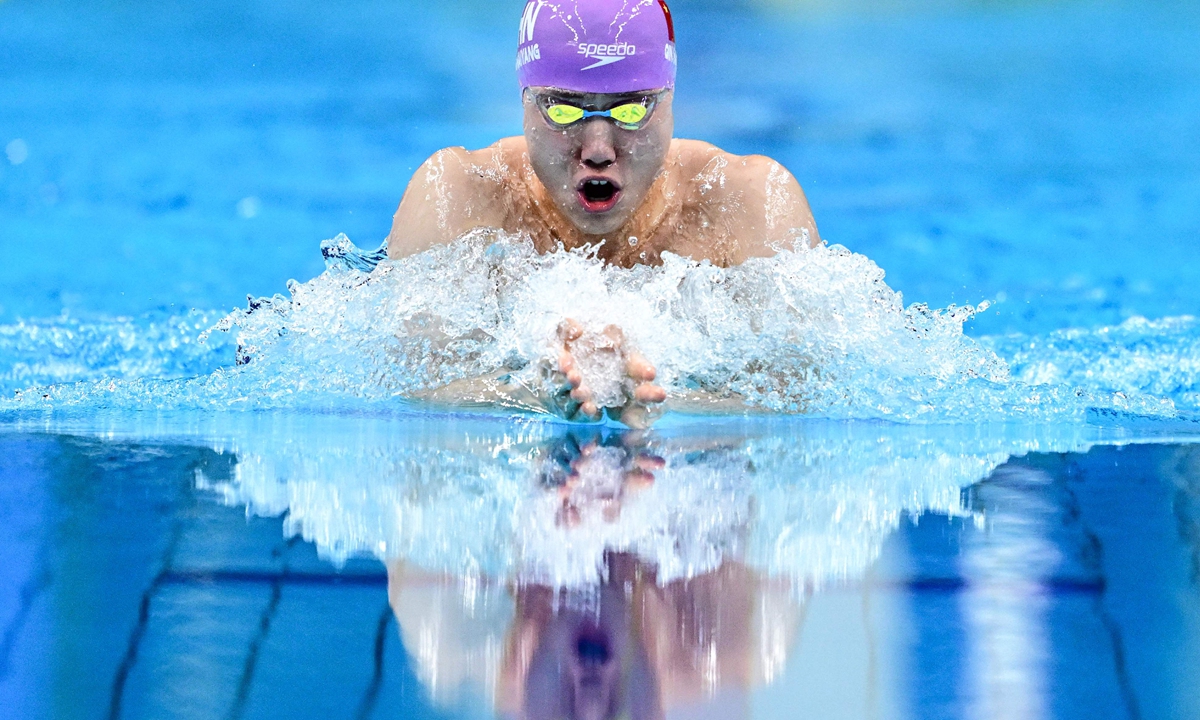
(129,660)
(1095,557)
(250,665)
(37,584)
(370,698)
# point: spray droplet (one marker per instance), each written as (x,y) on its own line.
(633,241)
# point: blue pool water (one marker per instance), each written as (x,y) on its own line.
(1041,157)
(984,512)
(224,566)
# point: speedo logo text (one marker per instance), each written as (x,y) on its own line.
(606,54)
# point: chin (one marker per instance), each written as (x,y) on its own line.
(592,227)
(598,223)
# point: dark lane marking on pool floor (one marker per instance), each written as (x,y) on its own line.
(371,695)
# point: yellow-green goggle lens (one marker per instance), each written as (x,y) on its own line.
(564,114)
(630,114)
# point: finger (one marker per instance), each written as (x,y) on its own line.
(590,409)
(582,394)
(568,516)
(638,479)
(569,330)
(639,368)
(615,334)
(566,362)
(647,393)
(575,378)
(649,463)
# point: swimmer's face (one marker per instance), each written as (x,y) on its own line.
(589,664)
(596,172)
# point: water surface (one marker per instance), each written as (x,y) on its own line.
(275,566)
(955,512)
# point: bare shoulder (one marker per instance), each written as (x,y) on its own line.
(695,155)
(453,192)
(511,150)
(481,168)
(768,207)
(701,159)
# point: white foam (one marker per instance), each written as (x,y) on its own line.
(813,331)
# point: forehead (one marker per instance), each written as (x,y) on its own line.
(591,100)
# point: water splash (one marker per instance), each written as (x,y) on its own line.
(1139,356)
(815,332)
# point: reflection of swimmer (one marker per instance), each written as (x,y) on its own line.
(625,648)
(597,166)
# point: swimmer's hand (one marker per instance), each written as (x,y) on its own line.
(638,411)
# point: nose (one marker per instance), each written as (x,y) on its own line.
(598,150)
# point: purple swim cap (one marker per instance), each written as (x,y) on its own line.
(597,46)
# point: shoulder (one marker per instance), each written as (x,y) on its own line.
(763,204)
(694,157)
(487,166)
(455,191)
(702,160)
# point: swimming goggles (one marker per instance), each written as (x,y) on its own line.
(627,116)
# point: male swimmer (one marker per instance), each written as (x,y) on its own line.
(598,167)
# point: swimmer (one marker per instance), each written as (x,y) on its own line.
(598,168)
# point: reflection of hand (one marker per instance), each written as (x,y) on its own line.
(599,474)
(638,411)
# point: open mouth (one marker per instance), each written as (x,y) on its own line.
(598,195)
(592,650)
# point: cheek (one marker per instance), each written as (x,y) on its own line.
(550,152)
(645,158)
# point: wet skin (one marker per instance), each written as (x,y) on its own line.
(597,151)
(631,195)
(625,164)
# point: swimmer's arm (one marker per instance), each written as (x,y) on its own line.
(494,390)
(774,210)
(451,194)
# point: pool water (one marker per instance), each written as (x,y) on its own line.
(222,567)
(969,512)
(1040,157)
